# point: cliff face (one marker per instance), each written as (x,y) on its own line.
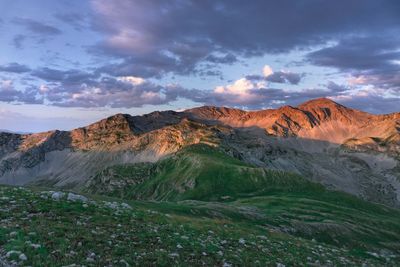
(324,141)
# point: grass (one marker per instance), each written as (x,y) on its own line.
(104,231)
(197,172)
(199,207)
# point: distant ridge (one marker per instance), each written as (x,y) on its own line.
(12,132)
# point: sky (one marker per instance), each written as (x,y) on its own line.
(67,63)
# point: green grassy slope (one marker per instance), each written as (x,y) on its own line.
(197,172)
(37,230)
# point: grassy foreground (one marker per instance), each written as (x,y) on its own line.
(42,228)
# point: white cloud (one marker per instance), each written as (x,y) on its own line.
(239,87)
(6,85)
(132,79)
(267,71)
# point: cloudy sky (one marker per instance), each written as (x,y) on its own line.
(67,63)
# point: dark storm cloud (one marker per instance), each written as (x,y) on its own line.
(234,28)
(37,27)
(14,68)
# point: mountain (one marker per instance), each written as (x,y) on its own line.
(318,119)
(8,131)
(341,148)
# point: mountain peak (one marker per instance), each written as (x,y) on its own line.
(319,103)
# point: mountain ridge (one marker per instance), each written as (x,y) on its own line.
(325,142)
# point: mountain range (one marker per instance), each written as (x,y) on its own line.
(320,140)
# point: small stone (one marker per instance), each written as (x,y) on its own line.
(22,257)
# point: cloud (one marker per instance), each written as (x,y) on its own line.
(369,61)
(72,76)
(139,42)
(9,94)
(130,91)
(369,100)
(337,88)
(18,40)
(360,54)
(282,76)
(153,38)
(226,59)
(245,93)
(267,71)
(14,68)
(389,81)
(37,27)
(75,20)
(7,91)
(124,92)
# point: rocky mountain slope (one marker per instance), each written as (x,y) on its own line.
(323,141)
(318,119)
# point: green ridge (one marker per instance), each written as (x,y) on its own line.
(198,172)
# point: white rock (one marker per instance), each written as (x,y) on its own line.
(35,246)
(11,252)
(111,205)
(57,195)
(12,234)
(126,206)
(23,257)
(75,197)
